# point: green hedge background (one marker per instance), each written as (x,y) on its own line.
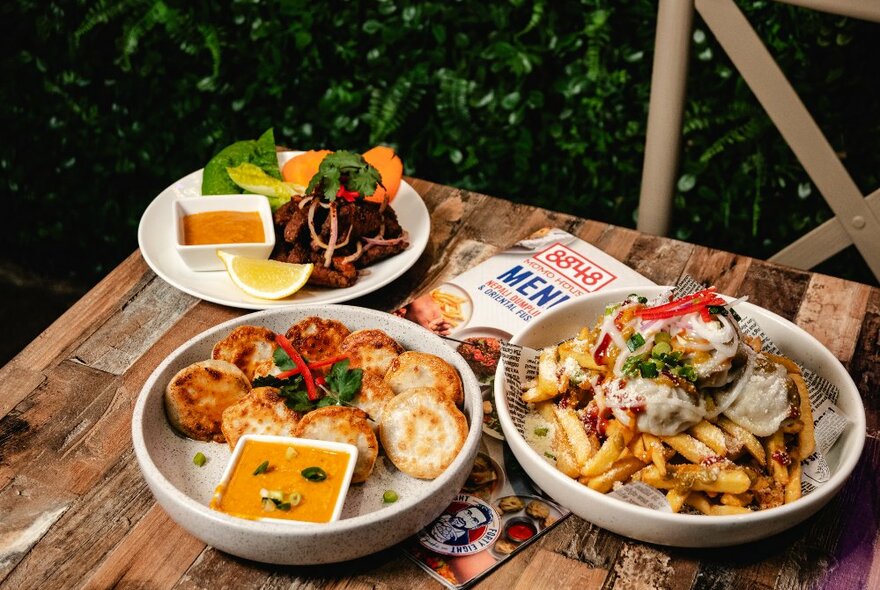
(106,103)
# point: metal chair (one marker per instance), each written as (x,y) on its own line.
(857,218)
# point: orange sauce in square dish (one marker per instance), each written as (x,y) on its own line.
(222,227)
(272,481)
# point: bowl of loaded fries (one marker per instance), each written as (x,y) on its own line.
(683,419)
(254,433)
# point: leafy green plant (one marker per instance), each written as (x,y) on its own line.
(110,102)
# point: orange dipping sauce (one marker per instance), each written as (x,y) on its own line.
(223,227)
(310,501)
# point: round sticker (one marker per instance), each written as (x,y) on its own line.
(468,525)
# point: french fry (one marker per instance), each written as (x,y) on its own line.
(711,436)
(807,435)
(605,456)
(733,480)
(699,501)
(637,448)
(743,499)
(775,448)
(722,510)
(621,470)
(656,448)
(688,447)
(751,443)
(547,386)
(793,487)
(676,498)
(572,436)
(791,367)
(565,459)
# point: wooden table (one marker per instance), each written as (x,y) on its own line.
(75,511)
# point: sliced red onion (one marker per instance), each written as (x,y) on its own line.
(389,242)
(316,239)
(357,253)
(334,234)
(305,201)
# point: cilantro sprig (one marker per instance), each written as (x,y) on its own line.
(344,169)
(342,385)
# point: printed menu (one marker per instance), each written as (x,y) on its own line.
(500,510)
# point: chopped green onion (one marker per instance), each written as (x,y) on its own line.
(609,309)
(314,474)
(660,350)
(635,342)
(390,496)
(268,505)
(648,369)
(717,310)
(643,300)
(550,455)
(283,506)
(662,337)
(262,467)
(295,498)
(200,459)
(290,453)
(541,431)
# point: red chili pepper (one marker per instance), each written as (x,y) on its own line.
(677,304)
(319,380)
(328,361)
(704,313)
(346,194)
(288,374)
(693,303)
(297,359)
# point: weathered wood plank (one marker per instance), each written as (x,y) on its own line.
(154,555)
(617,241)
(25,372)
(724,270)
(660,259)
(777,288)
(27,511)
(501,223)
(865,365)
(148,315)
(86,533)
(551,570)
(832,310)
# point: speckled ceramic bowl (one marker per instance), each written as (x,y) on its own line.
(666,528)
(367,524)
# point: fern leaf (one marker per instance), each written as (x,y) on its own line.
(390,108)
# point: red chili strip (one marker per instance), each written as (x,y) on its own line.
(297,359)
(288,374)
(676,303)
(328,361)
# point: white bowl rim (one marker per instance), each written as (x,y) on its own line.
(244,525)
(604,501)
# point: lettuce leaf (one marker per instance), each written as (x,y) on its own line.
(259,152)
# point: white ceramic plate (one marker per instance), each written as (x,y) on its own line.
(156,240)
(684,530)
(367,524)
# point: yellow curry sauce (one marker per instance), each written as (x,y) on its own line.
(310,501)
(222,227)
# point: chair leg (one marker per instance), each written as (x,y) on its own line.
(665,110)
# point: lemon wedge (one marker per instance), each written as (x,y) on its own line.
(266,279)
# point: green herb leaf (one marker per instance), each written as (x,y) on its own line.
(283,360)
(344,382)
(314,474)
(635,342)
(262,467)
(344,168)
(541,431)
(648,369)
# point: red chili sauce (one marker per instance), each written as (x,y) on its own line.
(521,531)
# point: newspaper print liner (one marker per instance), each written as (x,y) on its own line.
(521,366)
